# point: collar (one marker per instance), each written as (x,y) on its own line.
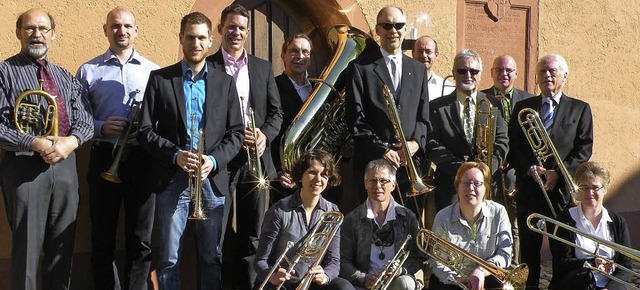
(307,83)
(296,202)
(556,98)
(25,58)
(434,78)
(579,215)
(108,56)
(387,56)
(230,60)
(391,211)
(462,98)
(456,215)
(508,94)
(188,72)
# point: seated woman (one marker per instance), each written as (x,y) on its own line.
(589,216)
(291,218)
(477,225)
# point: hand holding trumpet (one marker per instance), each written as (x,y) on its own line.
(189,162)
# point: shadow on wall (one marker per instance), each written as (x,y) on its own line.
(625,201)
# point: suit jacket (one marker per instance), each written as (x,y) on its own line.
(291,104)
(163,124)
(517,96)
(265,101)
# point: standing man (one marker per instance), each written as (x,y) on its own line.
(257,91)
(373,135)
(425,50)
(569,124)
(180,100)
(453,139)
(115,82)
(38,172)
(373,233)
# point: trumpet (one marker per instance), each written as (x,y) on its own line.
(543,148)
(538,223)
(418,187)
(28,118)
(111,175)
(485,132)
(453,257)
(195,179)
(255,166)
(393,267)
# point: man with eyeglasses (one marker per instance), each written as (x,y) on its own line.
(453,127)
(569,123)
(373,233)
(38,172)
(373,133)
(425,50)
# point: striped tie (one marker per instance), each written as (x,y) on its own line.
(547,114)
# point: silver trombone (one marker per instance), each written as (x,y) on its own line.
(538,223)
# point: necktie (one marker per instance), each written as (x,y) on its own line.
(394,72)
(49,85)
(547,114)
(469,119)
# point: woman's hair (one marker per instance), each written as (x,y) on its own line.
(484,169)
(306,161)
(589,170)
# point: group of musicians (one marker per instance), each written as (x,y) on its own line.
(202,125)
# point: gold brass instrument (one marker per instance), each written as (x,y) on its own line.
(195,178)
(111,175)
(30,120)
(255,166)
(320,123)
(543,148)
(538,223)
(485,132)
(418,187)
(453,257)
(276,265)
(315,245)
(392,268)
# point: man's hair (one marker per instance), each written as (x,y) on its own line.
(194,18)
(467,53)
(385,8)
(233,9)
(21,18)
(589,170)
(380,164)
(562,63)
(484,169)
(325,159)
(286,43)
(428,37)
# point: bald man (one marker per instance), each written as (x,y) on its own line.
(425,50)
(115,82)
(504,73)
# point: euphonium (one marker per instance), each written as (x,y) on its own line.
(543,148)
(195,178)
(111,175)
(392,268)
(320,123)
(28,118)
(417,186)
(453,257)
(485,132)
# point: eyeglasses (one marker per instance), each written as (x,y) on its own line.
(295,51)
(388,26)
(464,71)
(503,69)
(594,188)
(382,181)
(476,184)
(41,29)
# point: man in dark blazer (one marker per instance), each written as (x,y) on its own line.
(571,131)
(257,91)
(373,135)
(180,100)
(449,144)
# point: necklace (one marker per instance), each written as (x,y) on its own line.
(381,256)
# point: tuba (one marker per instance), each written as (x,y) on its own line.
(111,175)
(29,119)
(453,257)
(195,179)
(543,148)
(485,132)
(393,267)
(320,122)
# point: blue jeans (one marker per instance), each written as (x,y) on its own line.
(172,212)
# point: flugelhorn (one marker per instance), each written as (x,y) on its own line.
(418,187)
(29,119)
(392,268)
(538,223)
(453,257)
(195,178)
(111,175)
(543,148)
(485,133)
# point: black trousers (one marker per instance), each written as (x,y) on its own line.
(435,284)
(106,199)
(42,205)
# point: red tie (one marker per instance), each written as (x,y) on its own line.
(49,85)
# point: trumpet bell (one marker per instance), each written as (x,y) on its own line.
(111,176)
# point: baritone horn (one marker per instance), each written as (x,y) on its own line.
(453,257)
(538,223)
(30,119)
(485,132)
(111,175)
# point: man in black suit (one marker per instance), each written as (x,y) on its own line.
(180,100)
(569,124)
(373,134)
(257,91)
(453,127)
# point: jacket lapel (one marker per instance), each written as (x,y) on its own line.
(178,92)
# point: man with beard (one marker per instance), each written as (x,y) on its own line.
(38,172)
(257,92)
(425,50)
(115,82)
(184,103)
(453,127)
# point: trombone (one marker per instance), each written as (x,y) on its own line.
(195,178)
(485,132)
(453,257)
(538,223)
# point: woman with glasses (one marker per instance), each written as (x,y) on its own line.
(475,224)
(589,216)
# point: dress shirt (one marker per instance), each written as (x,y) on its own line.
(303,90)
(462,100)
(19,73)
(376,263)
(238,69)
(601,231)
(488,238)
(388,60)
(435,84)
(111,86)
(556,100)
